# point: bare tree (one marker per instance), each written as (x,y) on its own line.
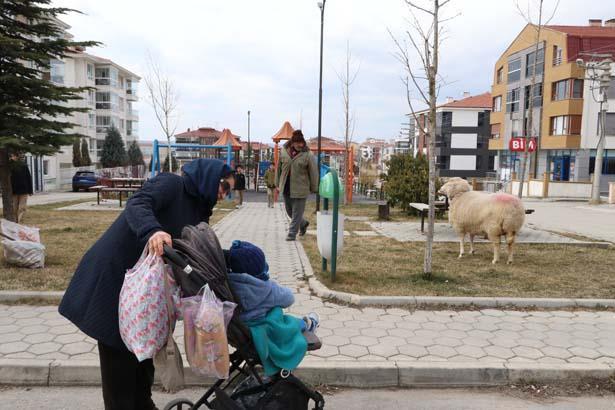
(526,14)
(347,78)
(423,41)
(163,98)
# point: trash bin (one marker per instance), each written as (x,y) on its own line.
(324,233)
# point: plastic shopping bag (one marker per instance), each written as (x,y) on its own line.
(19,232)
(24,254)
(205,334)
(143,312)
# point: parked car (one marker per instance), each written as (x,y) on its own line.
(84,180)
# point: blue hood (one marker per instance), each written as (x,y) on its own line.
(202,180)
(258,297)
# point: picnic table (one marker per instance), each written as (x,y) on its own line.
(424,209)
(120,190)
(126,182)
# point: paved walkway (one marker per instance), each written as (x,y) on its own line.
(444,232)
(354,335)
(45,198)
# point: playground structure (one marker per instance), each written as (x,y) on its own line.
(224,148)
(329,147)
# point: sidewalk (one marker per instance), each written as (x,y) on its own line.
(45,198)
(361,347)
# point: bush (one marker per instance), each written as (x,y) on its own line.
(407,180)
(85,153)
(77,160)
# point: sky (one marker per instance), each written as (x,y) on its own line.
(226,57)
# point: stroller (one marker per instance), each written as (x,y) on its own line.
(197,259)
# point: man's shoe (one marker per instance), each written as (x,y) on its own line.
(303,228)
(290,238)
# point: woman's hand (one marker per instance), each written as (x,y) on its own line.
(156,242)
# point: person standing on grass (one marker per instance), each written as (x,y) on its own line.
(153,216)
(270,183)
(296,178)
(21,185)
(240,184)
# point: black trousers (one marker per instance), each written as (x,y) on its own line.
(126,383)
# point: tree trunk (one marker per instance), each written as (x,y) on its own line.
(169,154)
(5,184)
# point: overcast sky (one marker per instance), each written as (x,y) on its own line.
(230,56)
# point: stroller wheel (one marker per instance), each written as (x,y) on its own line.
(179,404)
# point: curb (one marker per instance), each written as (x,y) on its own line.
(381,374)
(437,301)
(17,295)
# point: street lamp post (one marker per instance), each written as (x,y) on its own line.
(248,166)
(321,6)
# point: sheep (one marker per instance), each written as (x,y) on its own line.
(483,213)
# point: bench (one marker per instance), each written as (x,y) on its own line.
(103,188)
(424,209)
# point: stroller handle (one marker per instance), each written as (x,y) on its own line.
(172,256)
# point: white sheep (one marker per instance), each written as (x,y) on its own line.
(483,213)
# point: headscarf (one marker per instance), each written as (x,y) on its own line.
(202,180)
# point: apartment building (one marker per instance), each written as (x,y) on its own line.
(462,136)
(111,101)
(558,99)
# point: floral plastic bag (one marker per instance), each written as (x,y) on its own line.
(17,232)
(143,312)
(205,338)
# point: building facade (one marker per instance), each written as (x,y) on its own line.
(111,101)
(558,99)
(462,137)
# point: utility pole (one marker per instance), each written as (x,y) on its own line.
(248,164)
(321,6)
(604,81)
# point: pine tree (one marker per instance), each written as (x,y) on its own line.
(85,153)
(33,110)
(77,160)
(113,151)
(165,166)
(135,156)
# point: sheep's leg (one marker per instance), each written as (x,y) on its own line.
(495,239)
(462,237)
(510,241)
(472,244)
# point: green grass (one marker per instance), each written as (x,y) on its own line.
(383,266)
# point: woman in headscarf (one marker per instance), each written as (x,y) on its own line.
(153,216)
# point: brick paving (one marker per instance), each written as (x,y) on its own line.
(352,334)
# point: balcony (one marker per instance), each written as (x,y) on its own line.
(131,94)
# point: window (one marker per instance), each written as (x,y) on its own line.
(91,97)
(495,131)
(499,75)
(102,123)
(514,70)
(481,118)
(122,125)
(56,71)
(608,162)
(497,104)
(90,71)
(512,100)
(566,125)
(529,63)
(537,96)
(45,167)
(91,120)
(565,89)
(515,128)
(447,119)
(577,88)
(557,55)
(491,165)
(609,126)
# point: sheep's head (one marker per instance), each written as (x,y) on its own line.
(454,187)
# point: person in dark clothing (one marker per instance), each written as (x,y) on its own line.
(21,185)
(296,178)
(154,215)
(240,184)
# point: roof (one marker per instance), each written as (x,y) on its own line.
(326,144)
(587,39)
(102,60)
(228,138)
(256,145)
(285,132)
(474,101)
(585,31)
(201,132)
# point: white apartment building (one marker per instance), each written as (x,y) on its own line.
(111,102)
(586,156)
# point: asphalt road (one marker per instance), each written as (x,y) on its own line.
(83,398)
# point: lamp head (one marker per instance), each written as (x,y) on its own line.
(320,5)
(580,62)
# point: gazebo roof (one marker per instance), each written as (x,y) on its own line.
(327,145)
(285,132)
(227,138)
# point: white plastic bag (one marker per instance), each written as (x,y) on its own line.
(24,254)
(19,232)
(143,313)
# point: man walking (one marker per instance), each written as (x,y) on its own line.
(270,182)
(240,185)
(296,178)
(21,183)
